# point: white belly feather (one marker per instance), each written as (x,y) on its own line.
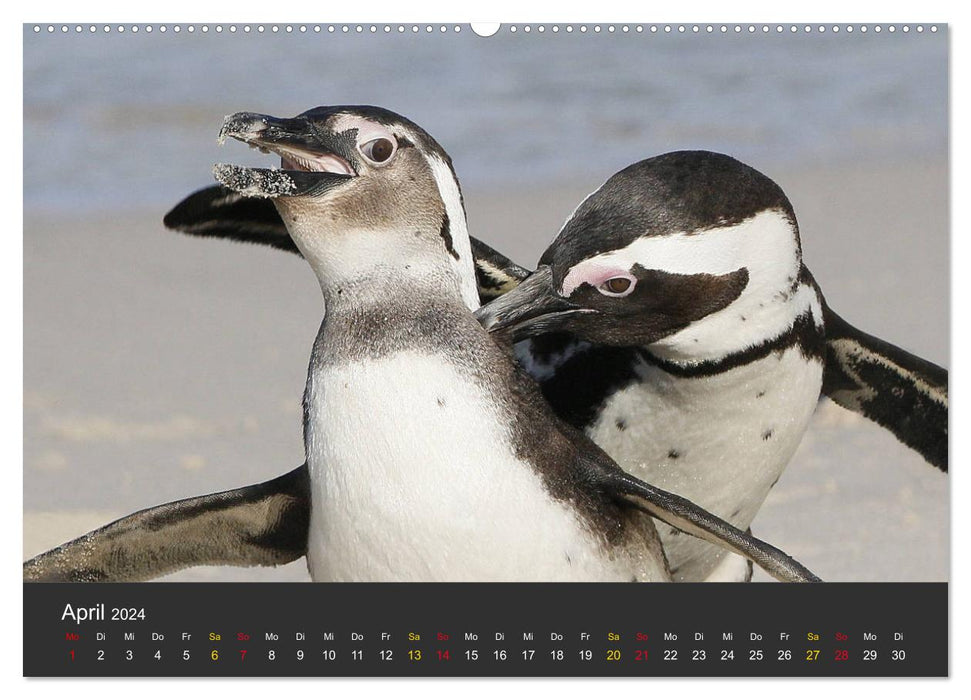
(413,479)
(721,441)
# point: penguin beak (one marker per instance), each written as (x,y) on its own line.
(533,308)
(312,161)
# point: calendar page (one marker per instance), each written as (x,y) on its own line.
(436,349)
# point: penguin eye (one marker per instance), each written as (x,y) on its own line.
(617,286)
(378,150)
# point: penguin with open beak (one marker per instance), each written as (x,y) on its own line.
(431,455)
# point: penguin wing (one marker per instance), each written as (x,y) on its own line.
(694,520)
(494,272)
(218,212)
(260,525)
(899,391)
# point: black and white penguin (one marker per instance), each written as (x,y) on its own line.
(673,320)
(430,454)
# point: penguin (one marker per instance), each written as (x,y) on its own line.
(401,372)
(677,291)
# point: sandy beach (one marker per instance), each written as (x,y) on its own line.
(158,367)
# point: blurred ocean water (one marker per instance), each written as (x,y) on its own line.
(130,120)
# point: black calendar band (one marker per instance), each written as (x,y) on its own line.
(293,629)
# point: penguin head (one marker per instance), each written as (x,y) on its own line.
(693,254)
(358,188)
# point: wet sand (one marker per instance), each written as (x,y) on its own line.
(159,367)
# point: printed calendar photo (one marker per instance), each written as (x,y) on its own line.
(474,324)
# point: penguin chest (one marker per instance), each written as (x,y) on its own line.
(414,478)
(721,441)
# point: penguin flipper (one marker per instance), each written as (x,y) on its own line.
(899,391)
(494,272)
(219,212)
(260,525)
(692,519)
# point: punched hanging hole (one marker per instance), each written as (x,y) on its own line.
(485,29)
